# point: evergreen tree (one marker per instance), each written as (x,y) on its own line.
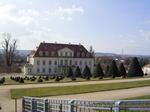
(77,72)
(87,73)
(122,71)
(99,72)
(135,68)
(113,70)
(107,71)
(70,72)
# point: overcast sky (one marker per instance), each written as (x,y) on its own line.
(107,25)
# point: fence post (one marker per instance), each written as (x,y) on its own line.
(46,105)
(71,106)
(34,105)
(117,106)
(23,104)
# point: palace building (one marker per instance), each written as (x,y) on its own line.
(55,59)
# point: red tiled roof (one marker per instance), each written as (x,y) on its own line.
(55,47)
(147,66)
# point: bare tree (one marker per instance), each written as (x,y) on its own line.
(9,46)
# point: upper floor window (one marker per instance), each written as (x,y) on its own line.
(38,62)
(89,62)
(80,62)
(43,62)
(76,63)
(55,70)
(50,62)
(85,62)
(40,53)
(61,62)
(66,62)
(70,62)
(55,62)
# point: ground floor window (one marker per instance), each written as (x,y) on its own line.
(38,70)
(43,70)
(50,70)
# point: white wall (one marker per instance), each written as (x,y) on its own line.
(146,70)
(85,61)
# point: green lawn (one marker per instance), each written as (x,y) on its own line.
(52,91)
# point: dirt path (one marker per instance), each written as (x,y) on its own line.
(8,104)
(109,95)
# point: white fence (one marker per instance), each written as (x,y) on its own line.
(30,104)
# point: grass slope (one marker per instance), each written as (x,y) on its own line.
(52,91)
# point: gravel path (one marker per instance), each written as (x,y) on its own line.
(8,104)
(109,95)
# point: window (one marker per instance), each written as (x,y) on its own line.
(66,54)
(55,62)
(29,70)
(87,55)
(76,62)
(40,53)
(70,62)
(43,62)
(52,54)
(50,62)
(38,70)
(47,53)
(85,62)
(71,54)
(66,62)
(61,62)
(80,62)
(78,54)
(61,54)
(55,70)
(38,62)
(43,70)
(83,54)
(43,53)
(89,62)
(50,70)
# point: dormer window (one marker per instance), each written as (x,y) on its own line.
(78,54)
(66,54)
(41,53)
(47,53)
(61,54)
(70,54)
(52,54)
(87,55)
(83,54)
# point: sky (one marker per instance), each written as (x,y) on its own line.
(108,25)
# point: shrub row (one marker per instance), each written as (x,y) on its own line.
(2,80)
